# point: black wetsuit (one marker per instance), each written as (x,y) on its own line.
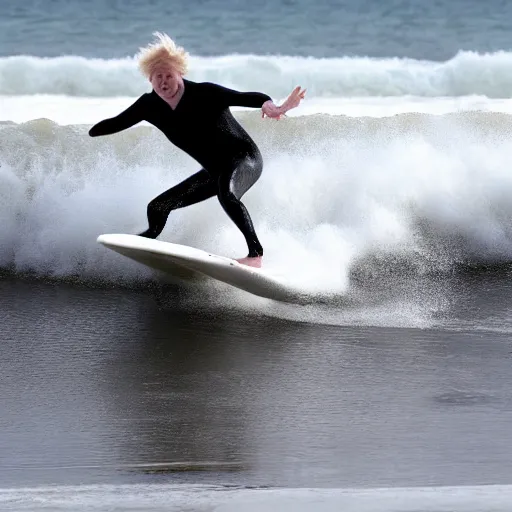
(202,126)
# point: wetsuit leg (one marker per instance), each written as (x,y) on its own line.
(198,187)
(233,185)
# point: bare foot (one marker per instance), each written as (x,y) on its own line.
(251,262)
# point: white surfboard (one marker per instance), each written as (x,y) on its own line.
(188,263)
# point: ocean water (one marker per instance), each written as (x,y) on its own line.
(387,192)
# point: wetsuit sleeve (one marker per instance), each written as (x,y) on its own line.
(132,115)
(231,98)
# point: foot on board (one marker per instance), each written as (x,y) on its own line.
(251,262)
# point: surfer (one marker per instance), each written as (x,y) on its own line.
(196,118)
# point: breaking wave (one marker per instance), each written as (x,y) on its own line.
(466,74)
(423,193)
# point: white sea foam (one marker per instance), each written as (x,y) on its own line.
(205,498)
(66,110)
(336,193)
(466,74)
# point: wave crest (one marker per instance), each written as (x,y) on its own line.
(467,73)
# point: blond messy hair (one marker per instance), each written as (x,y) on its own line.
(162,51)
